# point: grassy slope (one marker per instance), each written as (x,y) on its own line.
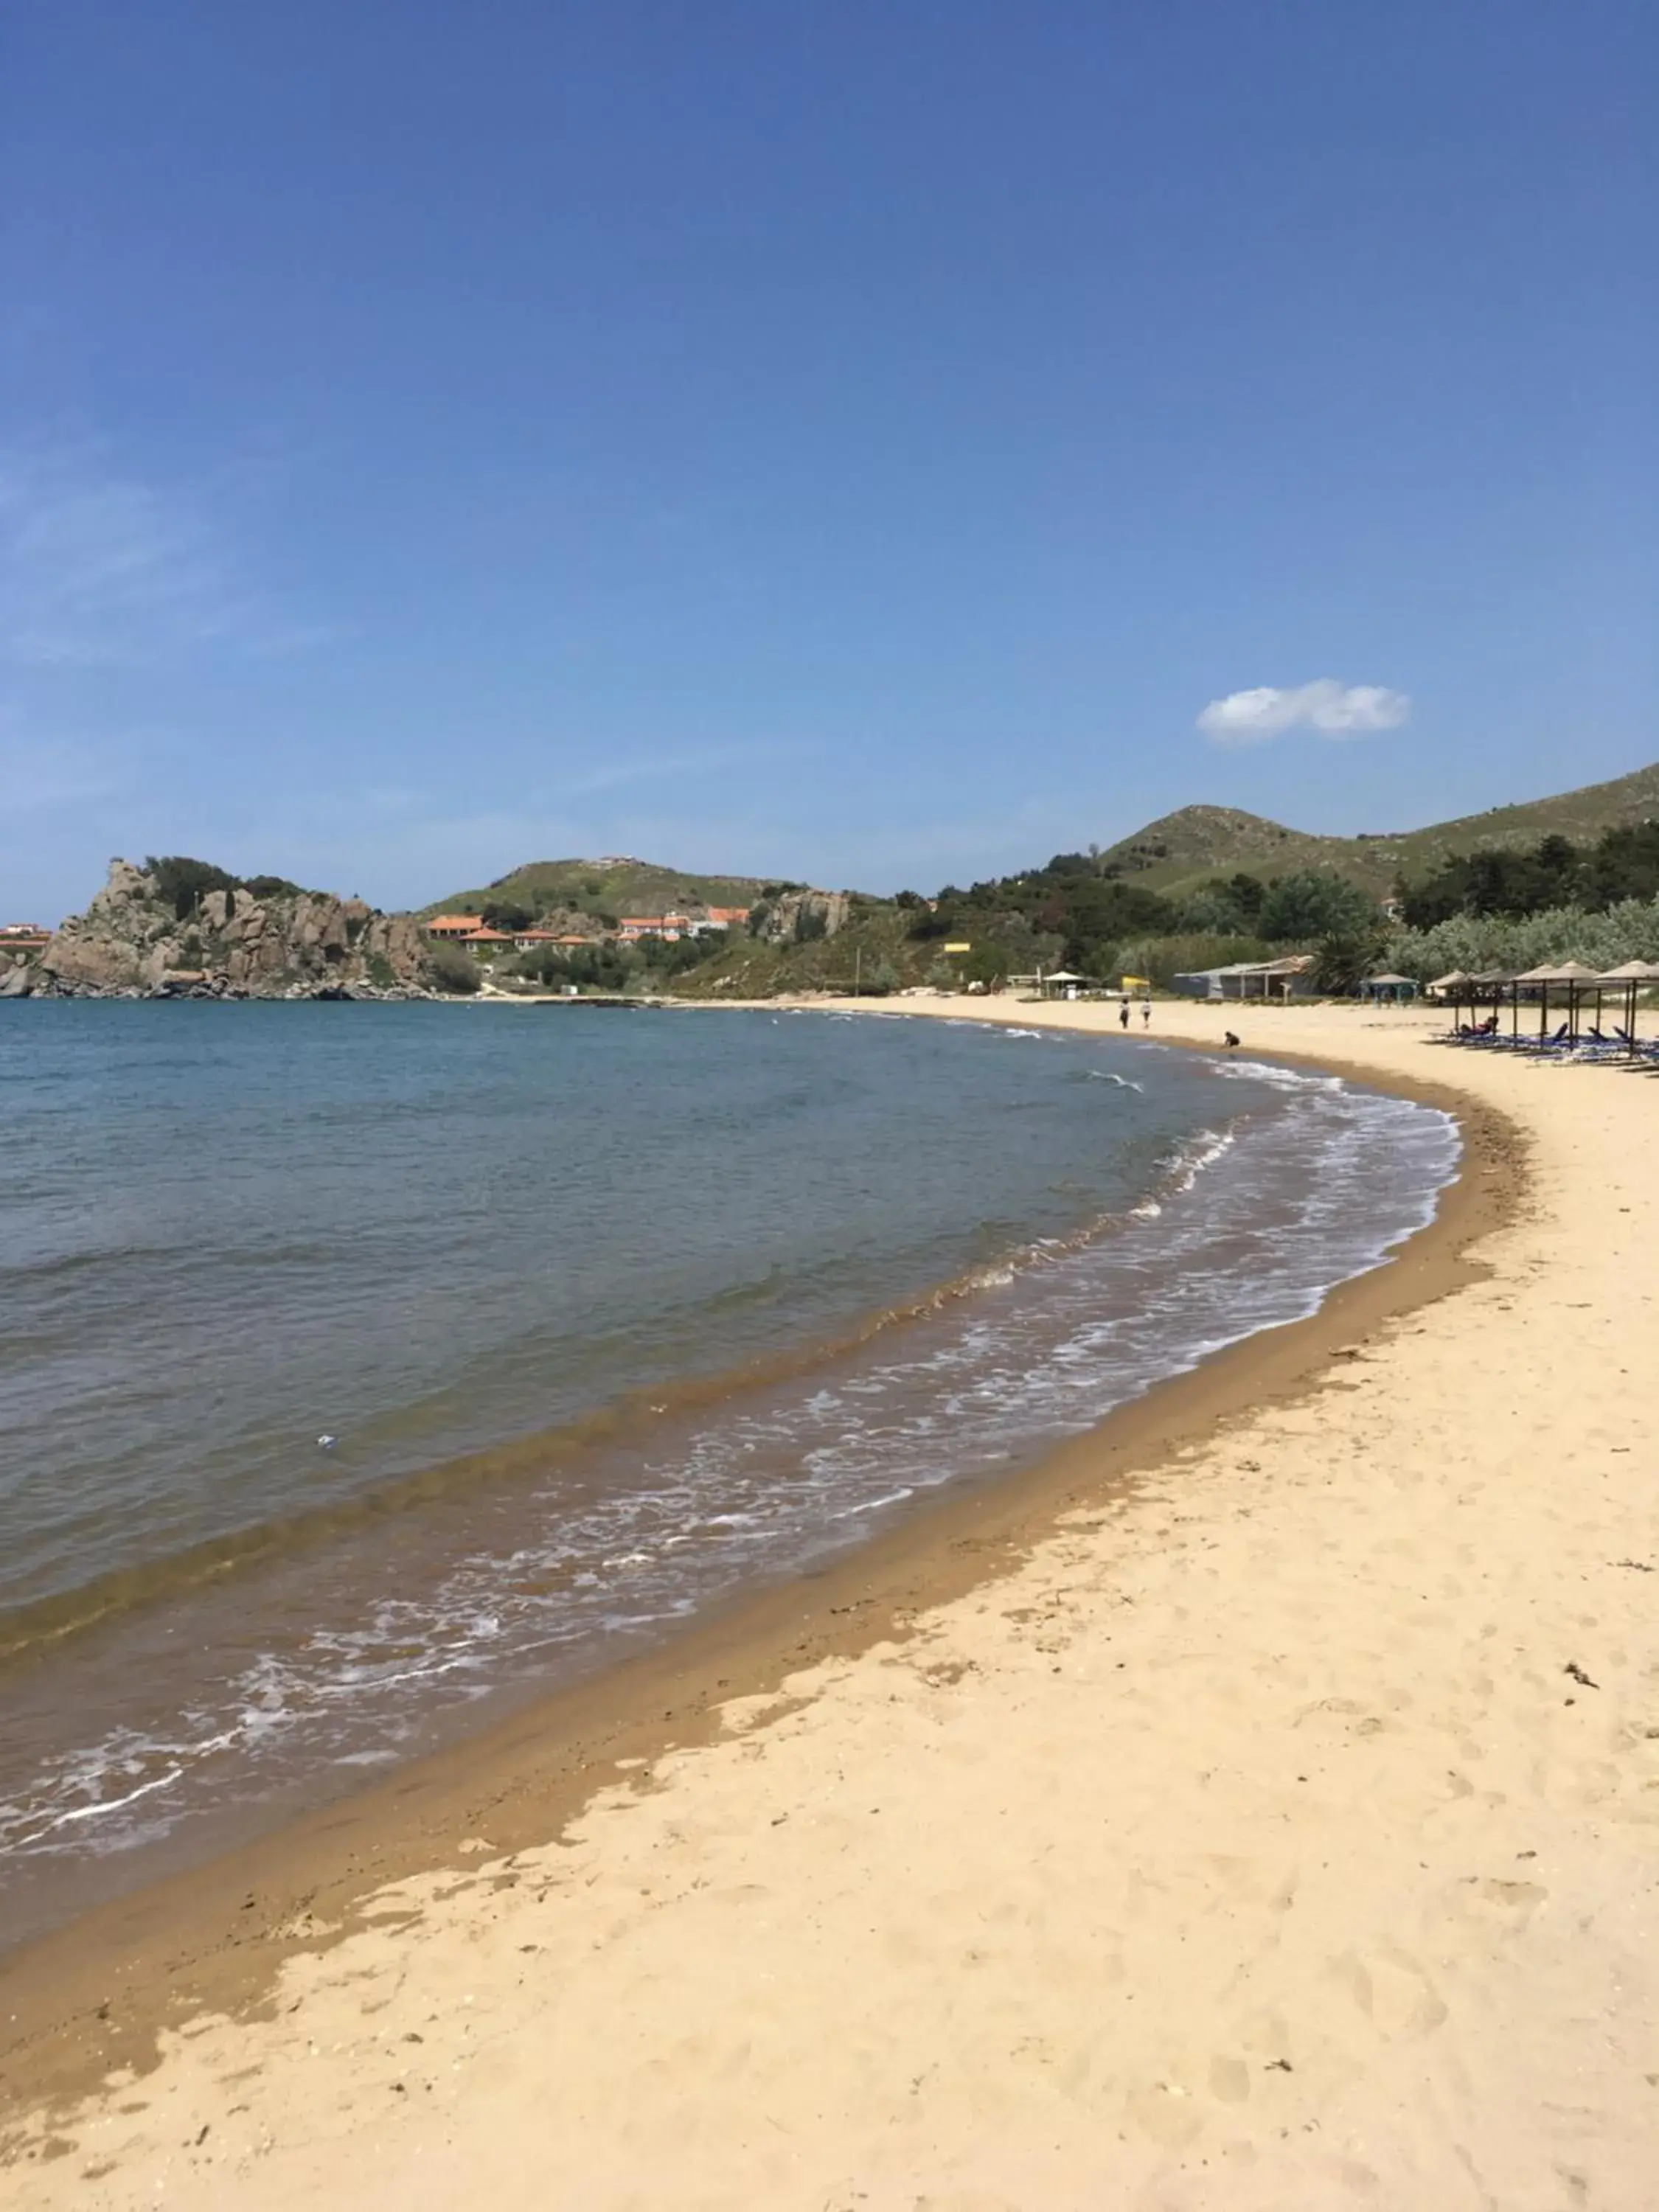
(1181,850)
(608,886)
(747,968)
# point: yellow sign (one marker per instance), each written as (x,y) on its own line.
(965,944)
(1136,983)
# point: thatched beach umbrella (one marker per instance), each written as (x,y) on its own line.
(1627,978)
(1451,987)
(1498,980)
(1571,974)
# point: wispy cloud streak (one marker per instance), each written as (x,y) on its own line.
(100,569)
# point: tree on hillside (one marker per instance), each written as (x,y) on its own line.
(1494,882)
(1308,905)
(1230,908)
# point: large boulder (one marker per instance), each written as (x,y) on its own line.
(795,915)
(107,947)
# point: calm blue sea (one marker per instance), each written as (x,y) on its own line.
(360,1365)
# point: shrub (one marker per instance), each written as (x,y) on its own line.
(184,883)
(506,915)
(453,971)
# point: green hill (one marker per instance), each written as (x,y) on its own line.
(614,885)
(1182,850)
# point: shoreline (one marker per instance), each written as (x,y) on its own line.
(83,1999)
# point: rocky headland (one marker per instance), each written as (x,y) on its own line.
(249,940)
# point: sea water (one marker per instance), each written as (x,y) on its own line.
(363,1366)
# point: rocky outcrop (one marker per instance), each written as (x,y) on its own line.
(797,917)
(131,942)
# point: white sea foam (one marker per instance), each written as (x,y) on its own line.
(876,1504)
(1321,1187)
(104,1807)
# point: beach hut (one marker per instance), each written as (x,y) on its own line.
(1388,986)
(1292,977)
(1065,981)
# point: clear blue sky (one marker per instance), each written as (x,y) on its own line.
(850,441)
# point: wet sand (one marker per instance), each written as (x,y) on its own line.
(1209,1817)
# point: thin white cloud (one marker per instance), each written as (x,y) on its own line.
(1333,710)
(98,568)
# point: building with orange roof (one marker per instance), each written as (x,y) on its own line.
(633,928)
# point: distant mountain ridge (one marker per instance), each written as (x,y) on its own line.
(1173,855)
(1181,850)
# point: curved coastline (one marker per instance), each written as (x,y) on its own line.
(214,1938)
(175,1731)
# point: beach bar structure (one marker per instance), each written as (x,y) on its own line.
(1292,977)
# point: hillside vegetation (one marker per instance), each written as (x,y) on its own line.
(611,887)
(1200,888)
(1181,850)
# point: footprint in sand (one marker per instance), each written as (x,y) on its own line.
(1393,1993)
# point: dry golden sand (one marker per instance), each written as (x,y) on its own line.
(1258,1842)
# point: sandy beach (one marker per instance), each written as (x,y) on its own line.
(1258,1807)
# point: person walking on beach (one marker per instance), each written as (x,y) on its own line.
(1145,1014)
(1123,1010)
